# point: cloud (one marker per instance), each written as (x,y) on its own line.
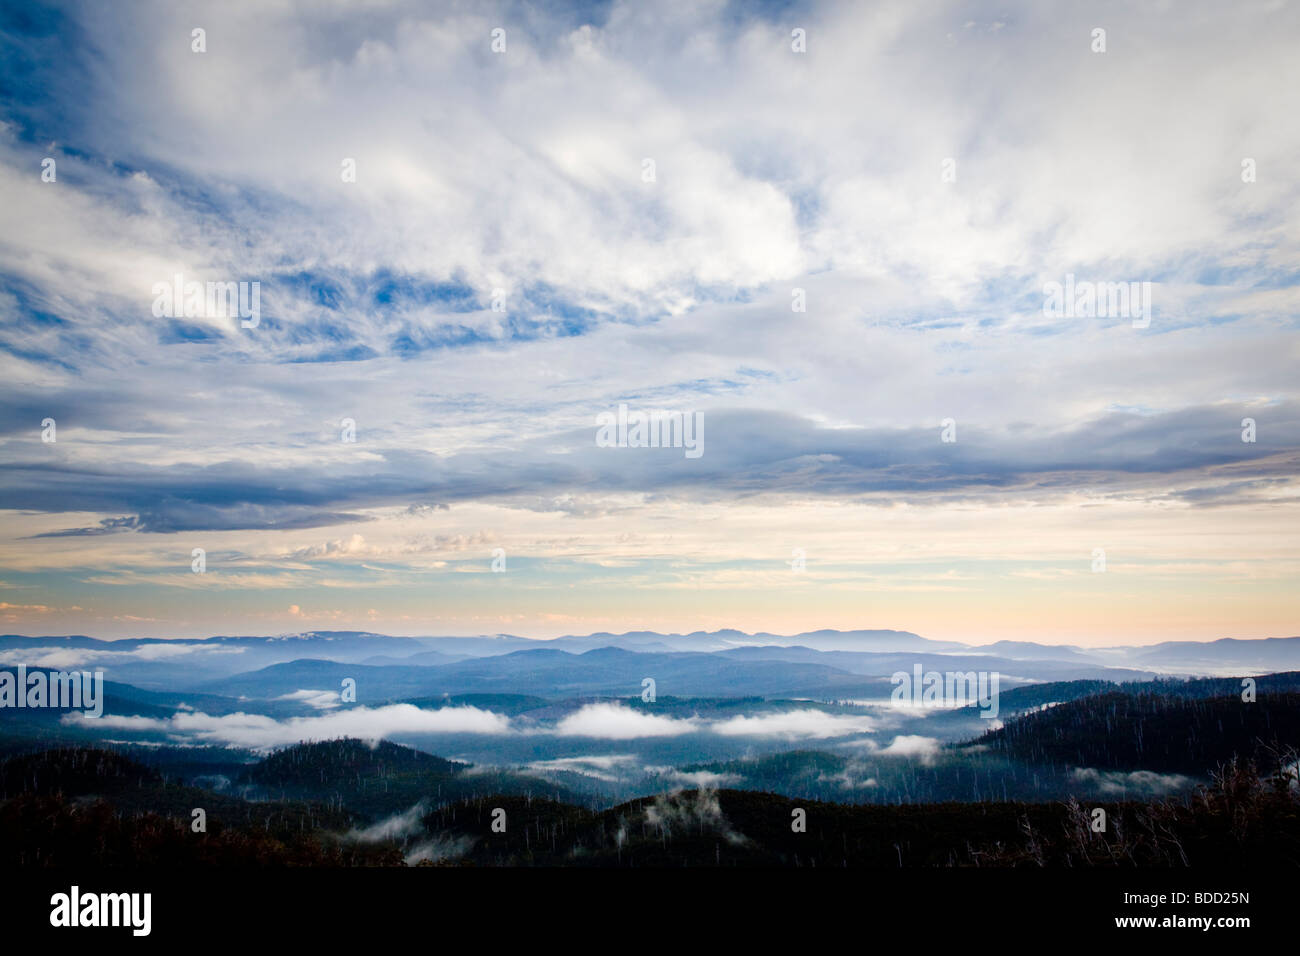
(795,725)
(694,812)
(1118,782)
(73,658)
(1116,452)
(319,699)
(523,181)
(407,829)
(256,732)
(912,745)
(400,826)
(615,722)
(852,777)
(698,779)
(443,846)
(604,767)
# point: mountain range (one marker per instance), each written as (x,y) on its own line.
(814,663)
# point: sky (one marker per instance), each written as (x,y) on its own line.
(824,231)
